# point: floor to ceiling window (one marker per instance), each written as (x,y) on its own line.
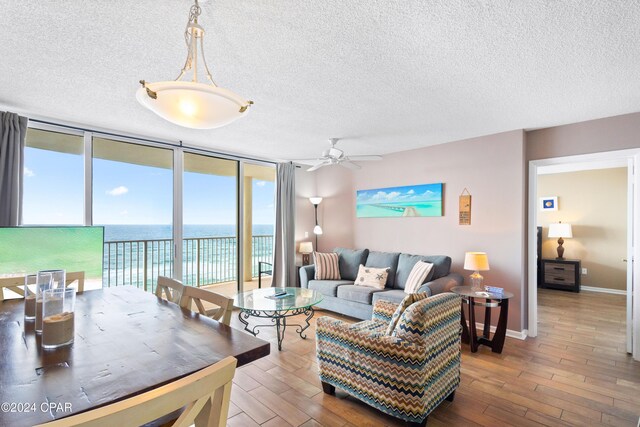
(210,218)
(133,200)
(53,178)
(166,210)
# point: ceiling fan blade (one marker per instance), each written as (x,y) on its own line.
(316,159)
(318,166)
(364,158)
(347,164)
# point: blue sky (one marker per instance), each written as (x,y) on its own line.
(130,194)
(406,194)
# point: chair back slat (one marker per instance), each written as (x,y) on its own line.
(170,288)
(16,284)
(221,314)
(204,394)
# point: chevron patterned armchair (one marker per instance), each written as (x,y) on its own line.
(404,361)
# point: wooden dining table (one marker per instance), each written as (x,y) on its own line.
(127,341)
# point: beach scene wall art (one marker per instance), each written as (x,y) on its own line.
(410,200)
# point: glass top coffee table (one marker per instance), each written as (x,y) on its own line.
(264,304)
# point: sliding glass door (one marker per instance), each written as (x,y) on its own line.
(133,199)
(210,218)
(258,207)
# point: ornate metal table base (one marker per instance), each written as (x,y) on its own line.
(279,320)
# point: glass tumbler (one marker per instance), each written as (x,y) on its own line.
(58,312)
(43,283)
(30,283)
(58,278)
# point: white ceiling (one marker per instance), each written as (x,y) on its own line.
(385,75)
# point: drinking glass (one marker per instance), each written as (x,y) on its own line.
(30,283)
(43,283)
(58,278)
(58,317)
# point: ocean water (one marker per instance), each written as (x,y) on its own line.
(153,232)
(383,210)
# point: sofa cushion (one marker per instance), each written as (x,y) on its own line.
(418,276)
(350,260)
(361,294)
(371,276)
(382,260)
(441,267)
(326,266)
(328,287)
(393,295)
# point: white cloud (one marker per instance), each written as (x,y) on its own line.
(411,192)
(261,183)
(28,172)
(118,191)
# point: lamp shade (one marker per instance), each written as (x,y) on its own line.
(317,230)
(476,261)
(315,201)
(560,230)
(306,247)
(193,105)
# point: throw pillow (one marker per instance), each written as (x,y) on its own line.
(418,275)
(326,266)
(406,302)
(372,277)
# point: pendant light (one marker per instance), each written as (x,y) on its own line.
(193,104)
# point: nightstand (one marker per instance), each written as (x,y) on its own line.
(561,274)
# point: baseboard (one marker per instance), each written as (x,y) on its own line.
(603,290)
(519,335)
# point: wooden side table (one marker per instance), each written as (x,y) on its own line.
(469,333)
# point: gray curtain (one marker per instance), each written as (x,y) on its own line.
(284,244)
(13,130)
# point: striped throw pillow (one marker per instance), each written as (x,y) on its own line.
(326,266)
(418,275)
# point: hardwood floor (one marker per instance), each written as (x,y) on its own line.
(576,372)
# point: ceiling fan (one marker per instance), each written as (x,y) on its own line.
(335,156)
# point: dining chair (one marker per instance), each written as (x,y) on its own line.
(197,295)
(204,394)
(16,284)
(171,288)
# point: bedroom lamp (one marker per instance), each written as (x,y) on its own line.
(476,261)
(561,231)
(305,249)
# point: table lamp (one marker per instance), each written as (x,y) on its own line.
(476,261)
(305,249)
(561,231)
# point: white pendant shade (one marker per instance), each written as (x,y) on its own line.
(193,105)
(317,230)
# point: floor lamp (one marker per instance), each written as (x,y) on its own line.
(315,201)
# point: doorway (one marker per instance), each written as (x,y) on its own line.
(628,158)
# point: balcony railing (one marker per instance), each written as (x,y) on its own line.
(206,260)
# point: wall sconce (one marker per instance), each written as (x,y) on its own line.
(315,201)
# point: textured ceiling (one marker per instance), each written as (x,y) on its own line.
(385,75)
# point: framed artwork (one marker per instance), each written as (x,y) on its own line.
(410,200)
(549,203)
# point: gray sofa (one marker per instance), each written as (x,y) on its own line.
(342,296)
